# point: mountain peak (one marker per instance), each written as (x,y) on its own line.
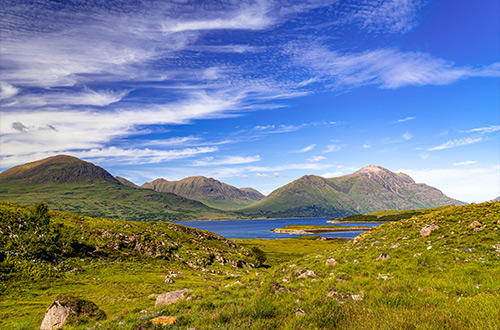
(57,169)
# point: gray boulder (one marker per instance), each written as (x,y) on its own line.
(171,297)
(71,310)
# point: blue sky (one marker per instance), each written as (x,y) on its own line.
(257,93)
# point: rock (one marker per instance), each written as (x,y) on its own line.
(417,254)
(394,246)
(168,280)
(306,274)
(171,297)
(383,256)
(497,247)
(355,262)
(475,224)
(164,320)
(68,309)
(427,230)
(385,277)
(356,297)
(479,228)
(468,249)
(300,312)
(331,262)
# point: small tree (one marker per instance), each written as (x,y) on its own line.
(259,255)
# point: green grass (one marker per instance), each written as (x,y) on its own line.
(319,228)
(386,215)
(454,284)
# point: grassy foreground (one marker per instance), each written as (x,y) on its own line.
(449,279)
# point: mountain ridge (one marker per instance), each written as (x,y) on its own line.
(208,191)
(370,189)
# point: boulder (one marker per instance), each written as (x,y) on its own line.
(171,297)
(383,256)
(331,262)
(71,310)
(306,274)
(427,230)
(475,224)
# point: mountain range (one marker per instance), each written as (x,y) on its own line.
(70,184)
(372,188)
(208,191)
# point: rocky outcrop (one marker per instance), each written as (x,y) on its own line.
(427,230)
(171,297)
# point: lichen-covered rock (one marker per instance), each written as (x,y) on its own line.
(427,230)
(331,262)
(70,310)
(164,320)
(171,297)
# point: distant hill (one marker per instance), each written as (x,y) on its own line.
(69,184)
(126,182)
(497,199)
(370,189)
(208,191)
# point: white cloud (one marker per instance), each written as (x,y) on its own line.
(386,67)
(308,148)
(466,163)
(7,90)
(367,146)
(229,160)
(407,136)
(114,155)
(489,129)
(405,119)
(332,174)
(316,159)
(264,175)
(332,148)
(469,184)
(456,143)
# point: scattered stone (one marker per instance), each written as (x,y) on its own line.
(427,230)
(475,224)
(168,280)
(497,247)
(331,262)
(384,277)
(171,297)
(343,296)
(394,246)
(356,297)
(383,256)
(164,320)
(68,309)
(355,262)
(306,274)
(468,249)
(300,312)
(149,315)
(480,228)
(417,254)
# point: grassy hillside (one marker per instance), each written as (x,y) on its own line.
(385,215)
(69,184)
(370,189)
(449,279)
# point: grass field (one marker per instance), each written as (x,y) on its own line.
(449,279)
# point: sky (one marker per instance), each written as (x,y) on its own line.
(256,93)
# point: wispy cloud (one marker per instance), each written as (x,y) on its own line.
(488,129)
(407,136)
(385,67)
(466,163)
(308,148)
(405,119)
(316,159)
(229,160)
(456,143)
(332,148)
(265,175)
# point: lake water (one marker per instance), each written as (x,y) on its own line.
(262,228)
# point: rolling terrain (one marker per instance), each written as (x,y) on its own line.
(370,189)
(439,270)
(70,184)
(208,191)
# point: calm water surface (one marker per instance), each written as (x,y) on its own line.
(262,228)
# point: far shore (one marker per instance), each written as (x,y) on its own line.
(310,229)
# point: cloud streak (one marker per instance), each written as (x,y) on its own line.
(456,143)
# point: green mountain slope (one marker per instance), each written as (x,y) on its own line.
(70,184)
(208,191)
(370,189)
